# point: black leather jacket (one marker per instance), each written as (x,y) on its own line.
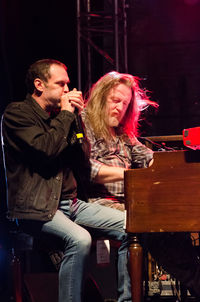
(40,154)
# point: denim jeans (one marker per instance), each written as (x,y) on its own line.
(74,223)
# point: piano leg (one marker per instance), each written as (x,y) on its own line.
(135,268)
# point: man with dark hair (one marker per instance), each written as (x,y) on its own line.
(41,152)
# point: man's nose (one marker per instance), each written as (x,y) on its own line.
(119,106)
(66,88)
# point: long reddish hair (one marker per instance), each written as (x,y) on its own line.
(95,108)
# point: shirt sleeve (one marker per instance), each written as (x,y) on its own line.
(141,155)
(96,161)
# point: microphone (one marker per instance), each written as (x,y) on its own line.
(78,127)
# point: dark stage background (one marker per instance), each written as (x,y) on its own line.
(163,50)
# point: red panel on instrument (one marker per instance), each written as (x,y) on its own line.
(191,138)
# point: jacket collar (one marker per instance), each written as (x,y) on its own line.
(36,107)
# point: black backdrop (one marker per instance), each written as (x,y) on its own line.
(163,49)
(31,30)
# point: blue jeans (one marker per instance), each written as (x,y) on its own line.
(74,223)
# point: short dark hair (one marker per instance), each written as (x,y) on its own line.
(40,69)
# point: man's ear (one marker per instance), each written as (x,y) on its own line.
(39,84)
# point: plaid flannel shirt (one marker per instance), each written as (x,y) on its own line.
(118,153)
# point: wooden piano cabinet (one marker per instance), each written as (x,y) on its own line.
(162,198)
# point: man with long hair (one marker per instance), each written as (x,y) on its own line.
(111,122)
